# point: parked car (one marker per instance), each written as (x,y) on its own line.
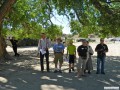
(80,40)
(91,40)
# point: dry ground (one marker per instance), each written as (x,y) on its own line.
(23,73)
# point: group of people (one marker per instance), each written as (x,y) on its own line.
(84,51)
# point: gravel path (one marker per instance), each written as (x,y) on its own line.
(23,73)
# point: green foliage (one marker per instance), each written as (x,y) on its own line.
(28,18)
(54,31)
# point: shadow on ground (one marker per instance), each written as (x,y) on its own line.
(23,73)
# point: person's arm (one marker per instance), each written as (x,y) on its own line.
(39,46)
(63,49)
(106,49)
(67,50)
(75,51)
(78,51)
(96,49)
(49,43)
(91,50)
(54,48)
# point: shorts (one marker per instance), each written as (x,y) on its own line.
(71,59)
(81,63)
(58,57)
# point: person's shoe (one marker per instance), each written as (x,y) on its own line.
(89,72)
(42,71)
(103,73)
(84,75)
(60,71)
(69,71)
(73,69)
(48,70)
(97,73)
(85,71)
(55,71)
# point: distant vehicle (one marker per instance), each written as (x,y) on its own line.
(115,39)
(80,40)
(91,40)
(88,39)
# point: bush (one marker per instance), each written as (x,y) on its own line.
(27,42)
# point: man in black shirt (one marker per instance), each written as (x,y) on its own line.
(82,52)
(14,45)
(101,50)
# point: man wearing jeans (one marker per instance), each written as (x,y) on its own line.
(101,50)
(43,48)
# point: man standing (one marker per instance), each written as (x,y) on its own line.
(101,50)
(71,51)
(83,57)
(14,45)
(43,48)
(58,52)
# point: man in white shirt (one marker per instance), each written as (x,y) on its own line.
(43,48)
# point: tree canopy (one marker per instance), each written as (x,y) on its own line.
(28,18)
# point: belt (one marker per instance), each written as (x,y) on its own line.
(58,52)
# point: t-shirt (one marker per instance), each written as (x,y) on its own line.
(43,44)
(14,42)
(58,48)
(82,51)
(71,49)
(101,49)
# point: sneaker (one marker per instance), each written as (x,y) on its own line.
(42,71)
(73,69)
(60,71)
(69,71)
(85,71)
(89,72)
(97,73)
(55,71)
(48,70)
(103,73)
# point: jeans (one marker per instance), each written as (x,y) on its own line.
(100,64)
(15,50)
(42,60)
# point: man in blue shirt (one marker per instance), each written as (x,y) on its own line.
(58,52)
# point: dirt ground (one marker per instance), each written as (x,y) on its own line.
(23,73)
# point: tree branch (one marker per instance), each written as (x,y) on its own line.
(5,8)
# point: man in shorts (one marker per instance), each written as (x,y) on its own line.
(58,52)
(71,50)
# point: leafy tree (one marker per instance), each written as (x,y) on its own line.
(31,17)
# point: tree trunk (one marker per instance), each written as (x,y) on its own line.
(3,53)
(4,10)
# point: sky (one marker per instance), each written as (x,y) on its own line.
(63,21)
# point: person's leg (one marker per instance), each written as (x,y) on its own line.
(98,65)
(72,62)
(69,64)
(56,62)
(60,62)
(47,60)
(42,61)
(83,66)
(79,69)
(102,65)
(88,66)
(69,67)
(14,49)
